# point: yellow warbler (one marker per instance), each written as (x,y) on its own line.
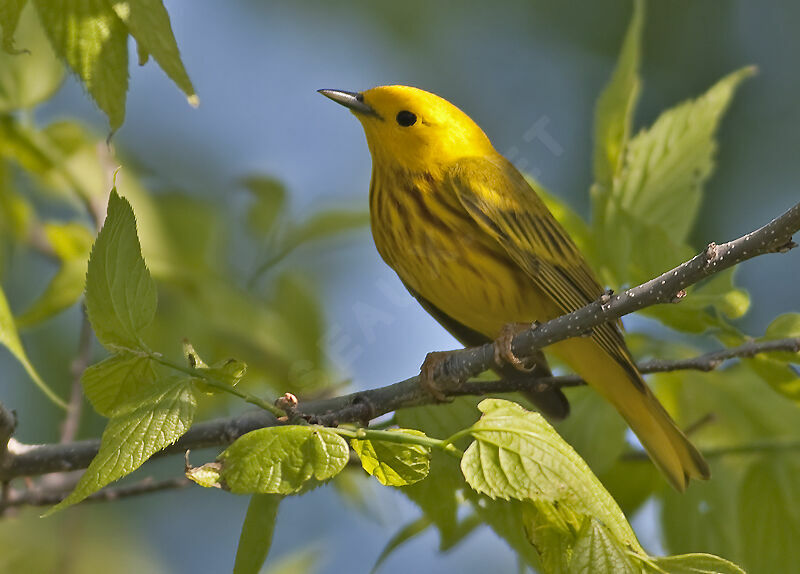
(474,243)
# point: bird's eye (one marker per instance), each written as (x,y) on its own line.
(406,118)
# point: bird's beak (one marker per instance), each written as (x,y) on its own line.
(352,100)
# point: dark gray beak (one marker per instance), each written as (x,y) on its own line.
(352,100)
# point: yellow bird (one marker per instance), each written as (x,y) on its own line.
(476,246)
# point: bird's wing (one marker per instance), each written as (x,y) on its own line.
(506,207)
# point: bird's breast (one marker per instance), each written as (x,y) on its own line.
(422,231)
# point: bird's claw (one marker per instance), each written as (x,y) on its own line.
(428,371)
(503,353)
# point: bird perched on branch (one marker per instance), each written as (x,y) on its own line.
(476,246)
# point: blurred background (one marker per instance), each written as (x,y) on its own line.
(528,72)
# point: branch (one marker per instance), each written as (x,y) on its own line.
(8,422)
(711,361)
(33,460)
(366,405)
(706,362)
(34,497)
(30,460)
(72,422)
(755,447)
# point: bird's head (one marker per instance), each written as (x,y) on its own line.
(411,129)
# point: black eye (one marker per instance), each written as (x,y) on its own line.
(406,118)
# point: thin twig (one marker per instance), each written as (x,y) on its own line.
(46,498)
(8,424)
(755,447)
(71,424)
(711,361)
(700,423)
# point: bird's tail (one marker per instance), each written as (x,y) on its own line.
(674,455)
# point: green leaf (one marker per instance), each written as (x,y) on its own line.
(63,291)
(120,294)
(183,237)
(437,496)
(643,221)
(358,492)
(634,251)
(256,537)
(394,464)
(30,545)
(69,240)
(269,201)
(615,106)
(594,429)
(569,542)
(552,529)
(142,55)
(769,516)
(776,368)
(147,424)
(695,564)
(15,144)
(666,166)
(9,338)
(71,243)
(507,518)
(116,381)
(148,22)
(322,225)
(786,325)
(706,517)
(517,454)
(597,550)
(302,561)
(297,302)
(16,211)
(631,483)
(77,167)
(720,293)
(26,79)
(406,533)
(206,475)
(707,306)
(282,460)
(10,11)
(780,376)
(228,371)
(93,41)
(327,224)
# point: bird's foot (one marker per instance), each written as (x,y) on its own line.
(431,367)
(502,346)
